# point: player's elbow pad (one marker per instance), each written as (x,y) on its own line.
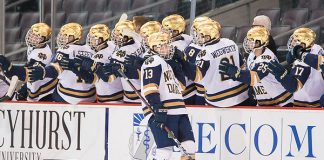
(51,72)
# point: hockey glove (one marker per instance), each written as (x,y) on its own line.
(298,52)
(103,72)
(36,73)
(22,93)
(66,63)
(160,114)
(5,64)
(86,76)
(134,61)
(86,63)
(179,56)
(229,69)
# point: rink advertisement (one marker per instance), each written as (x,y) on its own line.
(224,134)
(52,132)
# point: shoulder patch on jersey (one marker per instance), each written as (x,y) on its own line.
(121,53)
(266,57)
(42,56)
(149,60)
(98,56)
(202,53)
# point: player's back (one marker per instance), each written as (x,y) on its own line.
(221,91)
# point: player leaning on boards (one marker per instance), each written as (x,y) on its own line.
(71,87)
(305,82)
(267,90)
(163,92)
(221,91)
(38,54)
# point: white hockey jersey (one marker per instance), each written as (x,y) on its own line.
(312,80)
(131,48)
(182,42)
(107,92)
(39,89)
(268,91)
(4,85)
(70,87)
(221,91)
(157,77)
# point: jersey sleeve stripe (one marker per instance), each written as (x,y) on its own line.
(131,95)
(43,89)
(198,76)
(57,67)
(319,62)
(189,89)
(76,93)
(227,93)
(150,92)
(254,78)
(306,104)
(151,85)
(113,97)
(173,104)
(282,98)
(200,89)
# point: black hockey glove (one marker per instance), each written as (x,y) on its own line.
(36,73)
(5,64)
(298,52)
(86,63)
(103,72)
(135,61)
(229,69)
(160,114)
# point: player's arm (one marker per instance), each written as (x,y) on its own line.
(151,80)
(188,68)
(313,60)
(10,70)
(291,82)
(235,73)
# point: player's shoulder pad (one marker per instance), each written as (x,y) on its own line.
(202,54)
(268,55)
(152,61)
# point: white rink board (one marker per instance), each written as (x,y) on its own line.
(221,134)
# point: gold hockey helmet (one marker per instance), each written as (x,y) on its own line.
(69,33)
(256,35)
(208,31)
(38,34)
(118,34)
(97,36)
(159,42)
(302,36)
(149,28)
(173,23)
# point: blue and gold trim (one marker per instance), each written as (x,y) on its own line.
(77,93)
(131,95)
(112,97)
(229,93)
(200,89)
(47,87)
(306,104)
(189,89)
(282,98)
(174,103)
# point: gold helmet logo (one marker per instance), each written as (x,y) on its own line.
(97,36)
(302,36)
(174,22)
(118,34)
(38,34)
(69,33)
(208,31)
(256,37)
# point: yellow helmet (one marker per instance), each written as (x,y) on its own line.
(97,36)
(67,30)
(38,34)
(304,36)
(118,34)
(150,27)
(208,28)
(257,34)
(197,21)
(157,43)
(174,22)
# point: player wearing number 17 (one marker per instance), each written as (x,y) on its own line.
(163,92)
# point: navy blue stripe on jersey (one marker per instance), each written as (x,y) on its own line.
(132,95)
(282,98)
(77,93)
(313,60)
(241,60)
(191,53)
(146,110)
(306,104)
(200,88)
(118,96)
(301,73)
(261,69)
(227,93)
(45,88)
(174,103)
(189,89)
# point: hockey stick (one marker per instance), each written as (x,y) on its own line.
(163,126)
(11,90)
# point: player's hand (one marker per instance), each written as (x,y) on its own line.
(135,61)
(36,73)
(5,64)
(298,52)
(103,72)
(86,63)
(160,113)
(277,70)
(179,56)
(229,69)
(66,63)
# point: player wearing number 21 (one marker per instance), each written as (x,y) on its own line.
(268,91)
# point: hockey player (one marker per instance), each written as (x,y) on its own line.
(221,91)
(4,85)
(38,54)
(127,46)
(71,87)
(163,92)
(267,90)
(305,82)
(194,93)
